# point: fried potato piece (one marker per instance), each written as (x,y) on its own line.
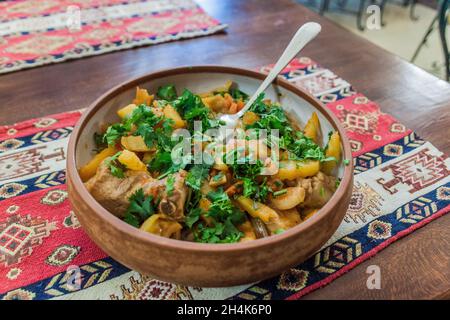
(292,198)
(312,127)
(171,113)
(257,209)
(161,225)
(333,150)
(88,170)
(291,169)
(134,143)
(130,160)
(143,97)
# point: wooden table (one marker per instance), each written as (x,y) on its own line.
(417,266)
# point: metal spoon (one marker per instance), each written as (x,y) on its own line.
(302,37)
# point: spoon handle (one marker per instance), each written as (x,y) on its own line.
(302,37)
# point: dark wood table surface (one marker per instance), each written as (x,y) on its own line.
(418,266)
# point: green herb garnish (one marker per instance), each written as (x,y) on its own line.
(144,121)
(170,184)
(238,94)
(168,92)
(139,209)
(279,193)
(322,192)
(295,142)
(224,216)
(196,176)
(191,108)
(114,132)
(117,169)
(161,162)
(192,217)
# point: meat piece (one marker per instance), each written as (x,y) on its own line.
(170,204)
(319,189)
(112,192)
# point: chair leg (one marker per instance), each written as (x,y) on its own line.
(359,23)
(324,6)
(342,3)
(444,6)
(382,6)
(425,37)
(412,11)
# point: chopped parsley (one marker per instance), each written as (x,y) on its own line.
(247,172)
(170,184)
(243,166)
(259,106)
(299,146)
(279,193)
(144,121)
(322,192)
(117,169)
(196,175)
(249,187)
(161,162)
(192,217)
(139,209)
(114,132)
(238,94)
(167,93)
(303,147)
(278,183)
(224,216)
(258,192)
(191,108)
(219,233)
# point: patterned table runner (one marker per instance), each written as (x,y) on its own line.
(401,183)
(38,32)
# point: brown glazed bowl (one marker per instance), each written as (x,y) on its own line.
(198,264)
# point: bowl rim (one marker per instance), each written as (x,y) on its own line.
(121,226)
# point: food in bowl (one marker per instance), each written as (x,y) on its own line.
(193,263)
(242,188)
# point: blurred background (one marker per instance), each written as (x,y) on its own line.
(412,29)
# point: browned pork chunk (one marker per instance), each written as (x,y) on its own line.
(319,190)
(113,193)
(171,202)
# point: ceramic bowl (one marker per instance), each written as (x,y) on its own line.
(198,264)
